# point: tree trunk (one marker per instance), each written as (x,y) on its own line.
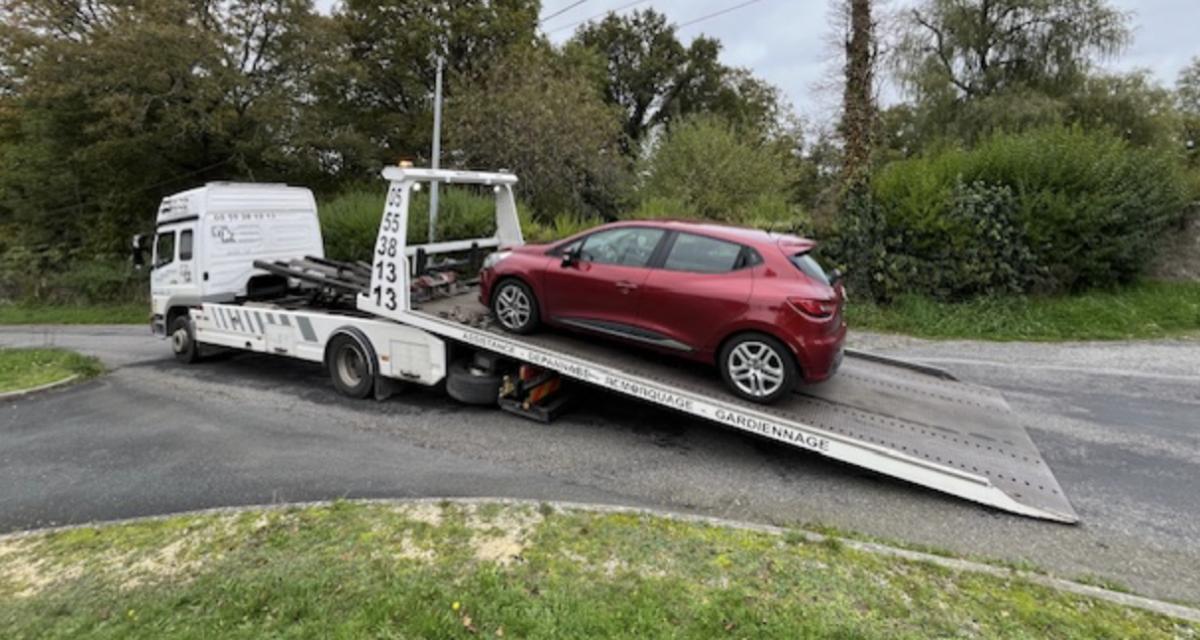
(858,100)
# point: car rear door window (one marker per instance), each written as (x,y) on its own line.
(702,254)
(627,246)
(810,267)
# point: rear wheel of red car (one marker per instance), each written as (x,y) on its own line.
(758,368)
(515,307)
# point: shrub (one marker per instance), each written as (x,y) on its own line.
(705,168)
(875,257)
(1090,208)
(350,221)
(44,277)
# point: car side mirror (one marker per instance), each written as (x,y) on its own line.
(570,258)
(835,276)
(137,251)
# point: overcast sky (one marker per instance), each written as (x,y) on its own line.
(787,41)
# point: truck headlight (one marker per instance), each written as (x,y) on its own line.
(494,259)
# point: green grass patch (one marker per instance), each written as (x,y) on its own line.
(352,570)
(1146,310)
(71,314)
(27,368)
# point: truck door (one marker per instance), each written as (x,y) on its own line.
(173,276)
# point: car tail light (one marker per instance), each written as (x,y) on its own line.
(814,308)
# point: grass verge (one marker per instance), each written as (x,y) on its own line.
(66,314)
(1146,310)
(426,570)
(28,368)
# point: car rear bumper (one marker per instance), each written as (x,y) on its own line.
(820,357)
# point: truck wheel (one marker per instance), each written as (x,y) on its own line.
(515,307)
(183,340)
(758,368)
(472,385)
(350,367)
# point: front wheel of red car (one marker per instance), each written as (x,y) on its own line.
(758,368)
(515,307)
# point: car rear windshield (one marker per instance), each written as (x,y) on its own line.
(810,267)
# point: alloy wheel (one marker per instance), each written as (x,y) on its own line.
(513,307)
(756,368)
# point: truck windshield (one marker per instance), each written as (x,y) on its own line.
(811,268)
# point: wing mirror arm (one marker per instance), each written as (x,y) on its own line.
(137,251)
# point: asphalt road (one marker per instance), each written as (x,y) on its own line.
(1119,424)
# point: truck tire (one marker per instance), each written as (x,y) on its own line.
(183,340)
(469,384)
(350,367)
(758,368)
(514,307)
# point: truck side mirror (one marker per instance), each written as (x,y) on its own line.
(137,251)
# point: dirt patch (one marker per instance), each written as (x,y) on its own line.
(27,567)
(19,572)
(502,538)
(426,512)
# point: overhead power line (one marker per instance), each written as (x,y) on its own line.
(598,15)
(717,13)
(562,11)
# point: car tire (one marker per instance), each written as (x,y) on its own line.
(350,367)
(472,385)
(183,340)
(758,368)
(514,307)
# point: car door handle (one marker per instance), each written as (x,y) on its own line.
(626,286)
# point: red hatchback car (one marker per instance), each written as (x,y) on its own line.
(753,303)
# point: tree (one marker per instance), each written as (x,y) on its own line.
(535,112)
(974,48)
(655,79)
(107,106)
(705,168)
(1132,105)
(375,87)
(858,98)
(1187,99)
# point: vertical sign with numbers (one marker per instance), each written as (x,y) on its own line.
(388,294)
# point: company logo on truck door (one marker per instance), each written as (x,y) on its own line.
(773,430)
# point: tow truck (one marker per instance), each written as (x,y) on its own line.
(242,266)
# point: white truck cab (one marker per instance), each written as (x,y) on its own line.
(207,239)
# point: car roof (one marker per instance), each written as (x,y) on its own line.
(732,233)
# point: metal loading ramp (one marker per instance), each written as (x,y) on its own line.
(894,418)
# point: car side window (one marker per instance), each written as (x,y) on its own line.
(164,249)
(185,245)
(702,254)
(627,246)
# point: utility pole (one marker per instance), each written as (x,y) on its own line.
(437,148)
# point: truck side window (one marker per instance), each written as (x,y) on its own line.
(164,249)
(185,245)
